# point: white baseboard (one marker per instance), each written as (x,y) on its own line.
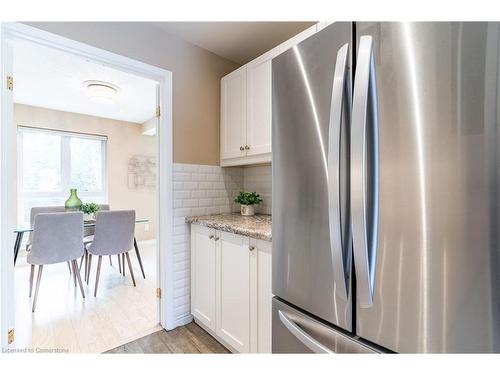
(182,320)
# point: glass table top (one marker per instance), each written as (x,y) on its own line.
(86,224)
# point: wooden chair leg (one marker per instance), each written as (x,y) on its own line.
(130,268)
(32,274)
(97,275)
(110,261)
(119,263)
(39,277)
(76,271)
(89,267)
(123,264)
(69,267)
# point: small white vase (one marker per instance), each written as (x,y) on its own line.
(247,210)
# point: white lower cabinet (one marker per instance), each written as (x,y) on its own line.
(232,294)
(203,275)
(234,301)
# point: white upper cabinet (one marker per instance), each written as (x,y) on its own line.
(297,39)
(233,114)
(246,108)
(321,25)
(259,104)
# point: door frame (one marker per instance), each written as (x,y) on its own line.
(164,246)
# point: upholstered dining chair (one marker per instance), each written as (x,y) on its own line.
(42,210)
(88,235)
(57,238)
(114,235)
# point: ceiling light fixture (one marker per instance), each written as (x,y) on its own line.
(101,92)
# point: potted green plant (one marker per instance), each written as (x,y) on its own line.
(247,201)
(89,210)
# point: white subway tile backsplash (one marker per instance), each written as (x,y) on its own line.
(198,190)
(208,190)
(259,179)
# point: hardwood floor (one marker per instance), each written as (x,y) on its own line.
(190,338)
(119,314)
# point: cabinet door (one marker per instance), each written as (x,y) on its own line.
(264,296)
(297,39)
(233,290)
(233,114)
(259,103)
(203,275)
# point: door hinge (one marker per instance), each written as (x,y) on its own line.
(158,111)
(158,292)
(10,83)
(10,336)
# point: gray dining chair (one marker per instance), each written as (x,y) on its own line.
(57,238)
(88,235)
(114,235)
(42,210)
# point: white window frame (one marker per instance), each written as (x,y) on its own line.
(65,157)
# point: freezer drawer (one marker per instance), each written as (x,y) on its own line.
(296,332)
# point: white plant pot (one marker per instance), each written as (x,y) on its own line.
(88,217)
(247,210)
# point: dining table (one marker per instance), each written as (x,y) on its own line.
(21,230)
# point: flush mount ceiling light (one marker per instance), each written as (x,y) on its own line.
(101,92)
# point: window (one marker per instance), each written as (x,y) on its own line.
(51,162)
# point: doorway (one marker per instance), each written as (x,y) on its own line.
(157,255)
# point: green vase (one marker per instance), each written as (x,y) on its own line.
(73,203)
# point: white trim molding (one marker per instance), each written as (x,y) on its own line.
(165,256)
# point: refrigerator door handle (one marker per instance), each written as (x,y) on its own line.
(365,172)
(341,91)
(302,336)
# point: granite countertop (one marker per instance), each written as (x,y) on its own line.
(258,226)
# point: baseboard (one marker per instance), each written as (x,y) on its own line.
(182,320)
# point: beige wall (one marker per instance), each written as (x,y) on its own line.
(124,140)
(196,78)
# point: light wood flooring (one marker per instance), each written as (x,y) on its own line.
(190,338)
(63,320)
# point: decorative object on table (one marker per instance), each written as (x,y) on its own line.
(247,201)
(142,172)
(73,203)
(89,210)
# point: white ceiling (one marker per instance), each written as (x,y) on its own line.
(236,41)
(46,77)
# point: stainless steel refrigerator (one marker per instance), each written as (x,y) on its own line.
(386,187)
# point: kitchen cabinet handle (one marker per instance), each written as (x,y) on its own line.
(216,238)
(365,172)
(242,148)
(247,147)
(302,336)
(340,109)
(211,236)
(251,248)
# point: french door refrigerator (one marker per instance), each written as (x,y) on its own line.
(386,174)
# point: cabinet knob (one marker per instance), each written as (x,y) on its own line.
(242,148)
(216,238)
(247,147)
(211,236)
(251,248)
